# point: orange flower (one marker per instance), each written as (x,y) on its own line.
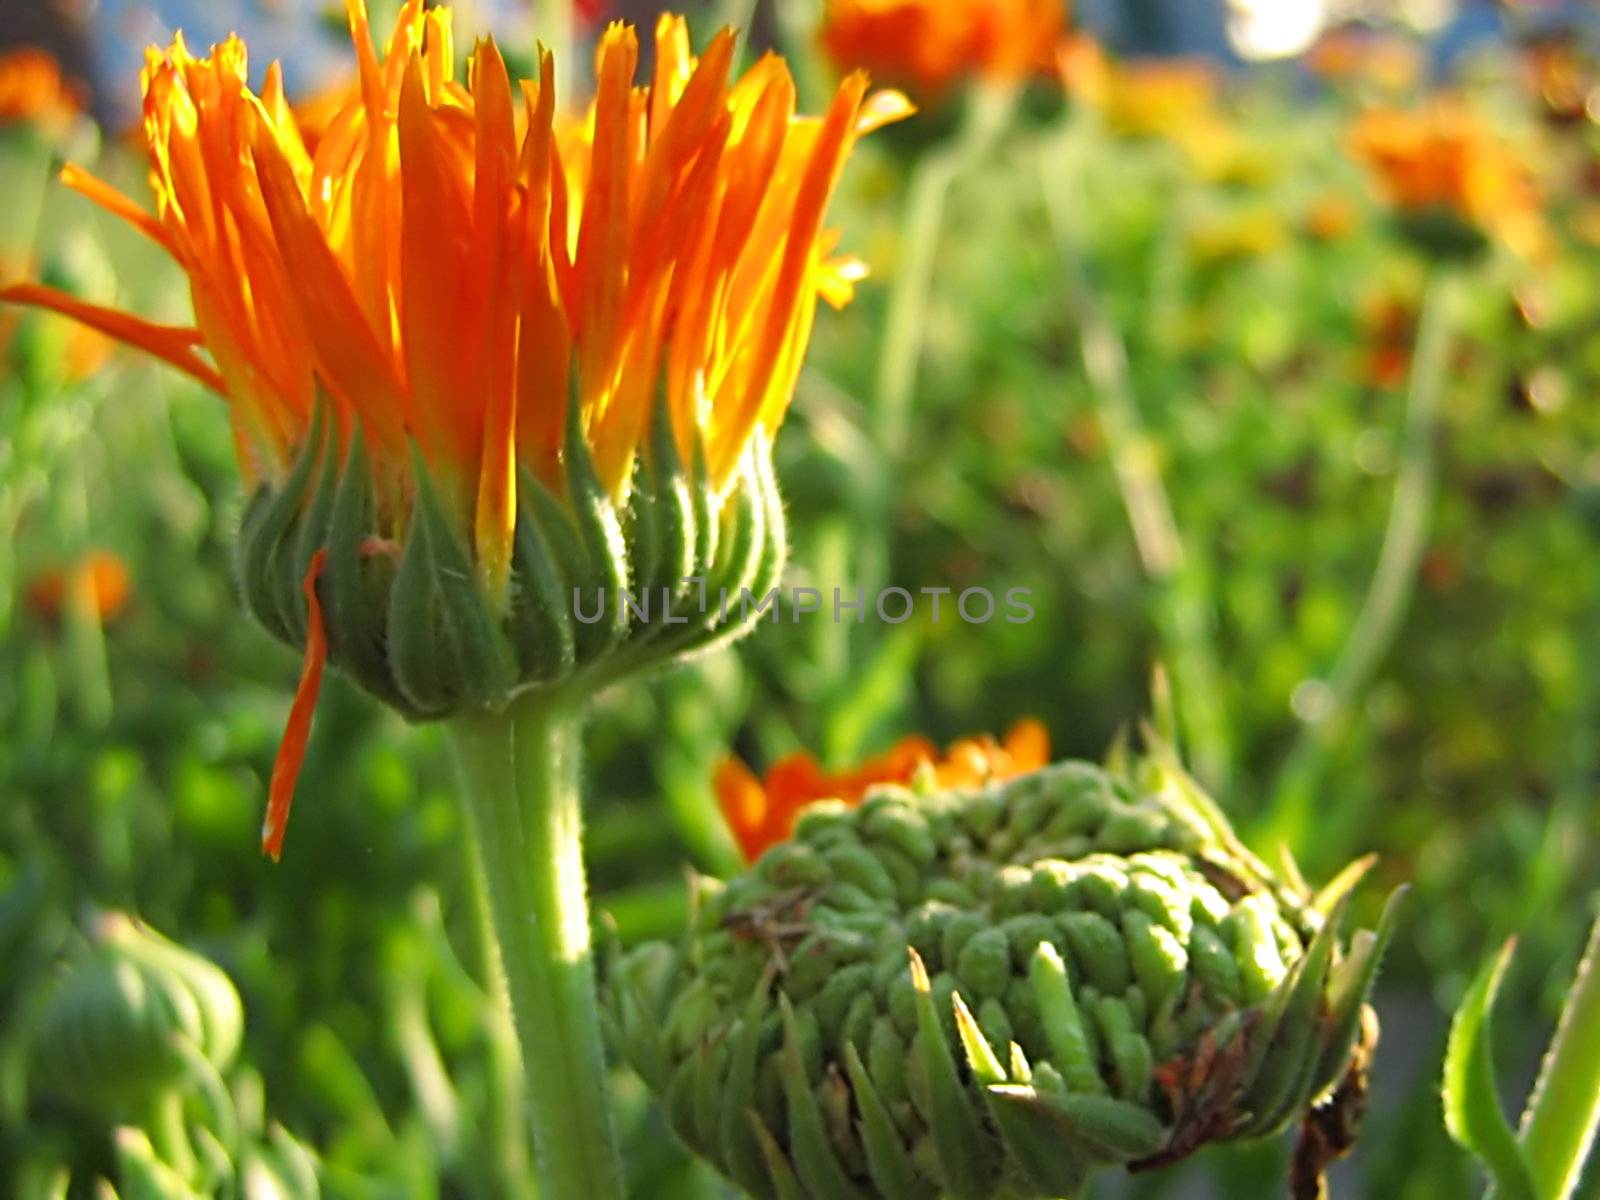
(450,272)
(440,267)
(1331,217)
(98,582)
(33,91)
(762,812)
(1351,54)
(1442,164)
(926,46)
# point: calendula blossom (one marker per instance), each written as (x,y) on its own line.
(34,91)
(478,352)
(926,46)
(762,812)
(1453,181)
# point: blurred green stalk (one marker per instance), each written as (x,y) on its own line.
(988,112)
(1181,610)
(1563,1112)
(520,770)
(1394,579)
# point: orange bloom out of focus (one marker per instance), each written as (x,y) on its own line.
(1353,55)
(33,90)
(926,46)
(456,266)
(1442,162)
(98,582)
(1331,217)
(762,812)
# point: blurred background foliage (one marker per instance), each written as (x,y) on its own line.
(1268,312)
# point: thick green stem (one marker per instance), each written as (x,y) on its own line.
(506,1132)
(1563,1113)
(1394,578)
(1181,611)
(520,769)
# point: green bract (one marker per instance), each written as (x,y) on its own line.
(597,589)
(993,993)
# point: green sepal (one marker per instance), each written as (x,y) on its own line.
(1033,1138)
(1349,986)
(676,528)
(605,551)
(1287,1055)
(741,1157)
(1063,1023)
(539,620)
(1112,1131)
(271,585)
(957,1135)
(814,1158)
(982,1061)
(887,1162)
(143,1176)
(779,1170)
(445,646)
(356,585)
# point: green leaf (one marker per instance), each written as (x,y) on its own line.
(1472,1113)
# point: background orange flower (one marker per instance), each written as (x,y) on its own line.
(762,812)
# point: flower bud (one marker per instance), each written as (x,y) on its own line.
(135,1016)
(596,588)
(1054,1014)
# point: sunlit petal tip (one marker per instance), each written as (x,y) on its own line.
(883,107)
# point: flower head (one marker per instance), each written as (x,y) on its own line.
(762,812)
(926,46)
(98,583)
(1452,181)
(478,351)
(999,990)
(33,90)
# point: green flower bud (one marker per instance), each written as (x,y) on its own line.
(1014,1021)
(136,1016)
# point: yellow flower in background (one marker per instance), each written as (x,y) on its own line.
(455,283)
(33,90)
(1247,232)
(1452,179)
(1154,97)
(762,812)
(926,46)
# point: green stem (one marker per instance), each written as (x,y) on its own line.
(505,1132)
(1181,611)
(1563,1113)
(520,769)
(1394,578)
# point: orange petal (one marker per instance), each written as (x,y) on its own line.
(171,343)
(117,204)
(292,750)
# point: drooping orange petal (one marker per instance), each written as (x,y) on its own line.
(171,343)
(118,205)
(292,750)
